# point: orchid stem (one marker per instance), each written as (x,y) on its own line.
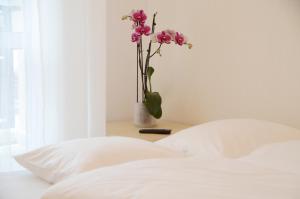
(157,50)
(149,48)
(141,70)
(137,73)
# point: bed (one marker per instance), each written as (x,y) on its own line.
(180,178)
(228,159)
(21,184)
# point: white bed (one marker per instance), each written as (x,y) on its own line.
(189,178)
(21,185)
(230,159)
(169,178)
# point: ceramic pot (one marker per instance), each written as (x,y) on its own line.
(141,117)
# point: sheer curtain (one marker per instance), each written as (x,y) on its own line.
(74,61)
(21,102)
(52,70)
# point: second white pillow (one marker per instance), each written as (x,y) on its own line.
(282,156)
(231,138)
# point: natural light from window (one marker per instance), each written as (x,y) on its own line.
(12,81)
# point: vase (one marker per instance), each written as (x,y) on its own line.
(142,117)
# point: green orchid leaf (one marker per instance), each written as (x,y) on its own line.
(150,71)
(153,104)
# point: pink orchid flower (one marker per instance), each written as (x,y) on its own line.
(163,37)
(180,39)
(172,33)
(139,16)
(136,37)
(143,30)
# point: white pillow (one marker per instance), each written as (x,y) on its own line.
(56,162)
(230,138)
(280,156)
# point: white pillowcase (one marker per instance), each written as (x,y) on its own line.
(280,156)
(56,162)
(230,138)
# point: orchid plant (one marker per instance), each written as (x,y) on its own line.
(152,100)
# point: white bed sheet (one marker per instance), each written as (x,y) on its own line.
(21,185)
(178,179)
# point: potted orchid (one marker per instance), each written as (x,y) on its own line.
(149,105)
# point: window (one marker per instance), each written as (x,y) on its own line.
(12,81)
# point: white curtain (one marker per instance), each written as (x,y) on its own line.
(21,101)
(73,41)
(58,82)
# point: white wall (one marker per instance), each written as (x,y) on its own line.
(245,62)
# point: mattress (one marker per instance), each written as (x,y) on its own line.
(21,185)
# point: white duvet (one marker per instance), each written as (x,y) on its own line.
(180,178)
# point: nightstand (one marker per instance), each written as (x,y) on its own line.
(128,129)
